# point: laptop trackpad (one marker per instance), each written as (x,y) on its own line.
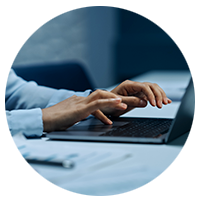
(96,126)
(90,127)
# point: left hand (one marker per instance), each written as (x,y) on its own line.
(76,108)
(137,94)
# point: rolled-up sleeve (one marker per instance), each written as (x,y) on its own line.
(24,102)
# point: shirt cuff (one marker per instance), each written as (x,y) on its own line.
(29,122)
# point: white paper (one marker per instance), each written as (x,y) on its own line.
(137,180)
(86,159)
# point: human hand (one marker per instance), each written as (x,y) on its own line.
(137,94)
(74,109)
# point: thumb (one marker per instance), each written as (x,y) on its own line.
(134,101)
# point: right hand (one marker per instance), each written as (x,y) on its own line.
(76,108)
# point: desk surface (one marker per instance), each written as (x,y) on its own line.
(116,174)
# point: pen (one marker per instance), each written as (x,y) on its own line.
(68,164)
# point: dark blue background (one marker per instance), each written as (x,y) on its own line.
(111,43)
(154,37)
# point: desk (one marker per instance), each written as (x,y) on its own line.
(145,163)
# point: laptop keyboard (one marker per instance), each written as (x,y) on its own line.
(141,128)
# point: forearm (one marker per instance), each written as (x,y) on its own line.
(21,94)
(32,122)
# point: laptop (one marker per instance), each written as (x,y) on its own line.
(132,129)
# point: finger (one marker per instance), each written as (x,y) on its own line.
(149,93)
(104,103)
(99,115)
(159,96)
(165,99)
(164,96)
(120,106)
(169,100)
(159,91)
(130,88)
(134,101)
(100,94)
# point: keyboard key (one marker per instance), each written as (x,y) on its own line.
(141,128)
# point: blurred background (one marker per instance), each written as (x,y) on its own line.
(112,44)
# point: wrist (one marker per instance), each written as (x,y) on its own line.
(47,125)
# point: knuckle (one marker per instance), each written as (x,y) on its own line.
(155,84)
(144,84)
(74,97)
(102,94)
(128,81)
(98,92)
(158,97)
(164,95)
(97,102)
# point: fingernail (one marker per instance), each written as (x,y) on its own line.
(154,102)
(142,103)
(123,105)
(116,99)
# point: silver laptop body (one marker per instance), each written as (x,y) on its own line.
(132,129)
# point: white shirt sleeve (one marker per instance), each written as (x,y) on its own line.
(24,101)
